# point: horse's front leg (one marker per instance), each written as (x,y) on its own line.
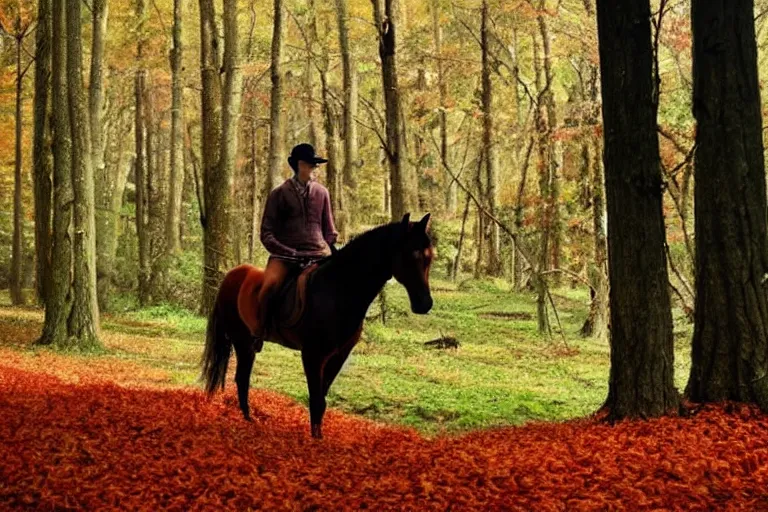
(313,370)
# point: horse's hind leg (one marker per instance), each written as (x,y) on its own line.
(245,357)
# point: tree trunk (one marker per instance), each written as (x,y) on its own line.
(276,135)
(211,143)
(333,174)
(176,181)
(219,211)
(494,267)
(545,184)
(84,321)
(730,339)
(59,301)
(109,201)
(596,324)
(42,163)
(387,36)
(105,222)
(351,159)
(141,162)
(451,196)
(641,380)
(519,259)
(457,261)
(16,254)
(157,187)
(255,211)
(553,148)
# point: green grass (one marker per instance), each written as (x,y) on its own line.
(503,373)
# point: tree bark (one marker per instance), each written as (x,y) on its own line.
(457,261)
(730,339)
(211,142)
(84,321)
(385,21)
(545,191)
(42,163)
(176,181)
(553,148)
(494,267)
(596,324)
(451,196)
(255,211)
(641,380)
(18,235)
(334,176)
(105,222)
(141,161)
(220,212)
(59,302)
(109,196)
(276,135)
(351,159)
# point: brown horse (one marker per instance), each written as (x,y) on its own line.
(319,312)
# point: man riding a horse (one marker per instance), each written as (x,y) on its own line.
(297,229)
(315,308)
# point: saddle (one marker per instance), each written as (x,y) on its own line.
(289,303)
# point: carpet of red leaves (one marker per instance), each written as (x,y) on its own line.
(95,445)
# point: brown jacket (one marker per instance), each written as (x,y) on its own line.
(297,225)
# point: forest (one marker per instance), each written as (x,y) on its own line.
(594,172)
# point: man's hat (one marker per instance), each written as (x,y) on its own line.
(304,152)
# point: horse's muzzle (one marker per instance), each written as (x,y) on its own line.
(422,306)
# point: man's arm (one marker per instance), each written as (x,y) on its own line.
(329,229)
(269,222)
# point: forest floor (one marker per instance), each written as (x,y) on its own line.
(503,373)
(409,427)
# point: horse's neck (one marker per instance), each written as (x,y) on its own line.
(362,281)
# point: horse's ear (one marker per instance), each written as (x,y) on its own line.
(424,222)
(406,220)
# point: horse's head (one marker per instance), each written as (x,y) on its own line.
(412,259)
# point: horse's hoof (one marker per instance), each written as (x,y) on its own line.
(316,432)
(247,417)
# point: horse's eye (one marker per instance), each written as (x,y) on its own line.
(417,255)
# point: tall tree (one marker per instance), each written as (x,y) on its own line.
(104,220)
(451,198)
(21,28)
(84,322)
(276,135)
(491,178)
(142,158)
(730,339)
(553,146)
(349,66)
(543,137)
(385,22)
(176,182)
(641,380)
(59,301)
(220,131)
(42,163)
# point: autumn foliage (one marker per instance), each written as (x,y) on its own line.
(94,445)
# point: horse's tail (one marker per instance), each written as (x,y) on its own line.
(218,347)
(222,330)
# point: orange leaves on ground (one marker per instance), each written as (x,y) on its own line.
(100,446)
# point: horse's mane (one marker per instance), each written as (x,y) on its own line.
(369,243)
